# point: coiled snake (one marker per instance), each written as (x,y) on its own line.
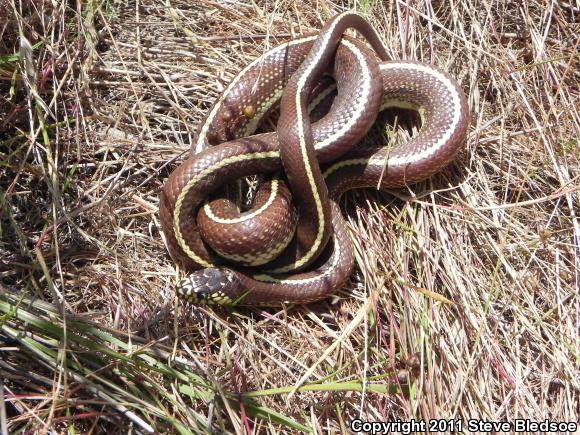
(224,152)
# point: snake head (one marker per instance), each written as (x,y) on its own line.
(214,285)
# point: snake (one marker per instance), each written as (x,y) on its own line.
(313,254)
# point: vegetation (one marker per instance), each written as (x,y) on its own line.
(465,300)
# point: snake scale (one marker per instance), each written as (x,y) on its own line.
(295,232)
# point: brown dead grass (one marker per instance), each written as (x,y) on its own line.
(123,89)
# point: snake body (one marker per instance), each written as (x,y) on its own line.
(290,72)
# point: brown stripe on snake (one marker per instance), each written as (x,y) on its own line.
(445,120)
(295,136)
(228,232)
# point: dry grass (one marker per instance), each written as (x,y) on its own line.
(94,117)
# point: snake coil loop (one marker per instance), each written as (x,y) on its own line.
(291,73)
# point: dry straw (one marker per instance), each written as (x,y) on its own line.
(465,301)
